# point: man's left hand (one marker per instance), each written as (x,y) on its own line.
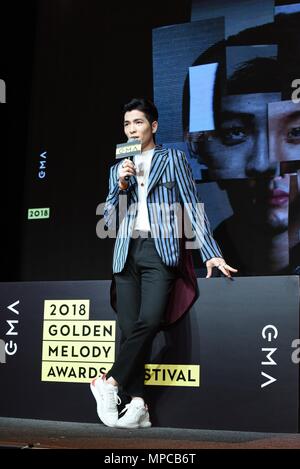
(220,263)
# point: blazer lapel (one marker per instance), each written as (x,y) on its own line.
(158,164)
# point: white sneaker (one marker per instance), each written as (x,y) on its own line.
(107,398)
(136,415)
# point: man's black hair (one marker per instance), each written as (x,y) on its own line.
(144,105)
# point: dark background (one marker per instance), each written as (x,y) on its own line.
(17,34)
(69,66)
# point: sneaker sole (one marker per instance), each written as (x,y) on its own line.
(126,426)
(99,412)
(138,425)
(145,425)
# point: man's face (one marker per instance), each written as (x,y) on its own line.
(136,125)
(284,131)
(240,147)
(241,150)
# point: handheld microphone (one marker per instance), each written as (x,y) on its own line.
(128,150)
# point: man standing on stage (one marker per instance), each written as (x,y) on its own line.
(149,258)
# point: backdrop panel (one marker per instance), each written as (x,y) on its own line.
(226,365)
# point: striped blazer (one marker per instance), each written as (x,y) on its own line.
(170,188)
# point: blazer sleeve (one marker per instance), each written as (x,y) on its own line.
(112,199)
(195,209)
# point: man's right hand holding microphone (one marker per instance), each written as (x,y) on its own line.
(126,170)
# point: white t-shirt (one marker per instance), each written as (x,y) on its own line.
(142,163)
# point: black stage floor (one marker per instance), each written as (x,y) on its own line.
(25,433)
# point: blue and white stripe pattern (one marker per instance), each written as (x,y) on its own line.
(170,186)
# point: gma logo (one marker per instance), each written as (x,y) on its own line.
(135,148)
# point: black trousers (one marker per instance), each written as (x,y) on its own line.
(143,288)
